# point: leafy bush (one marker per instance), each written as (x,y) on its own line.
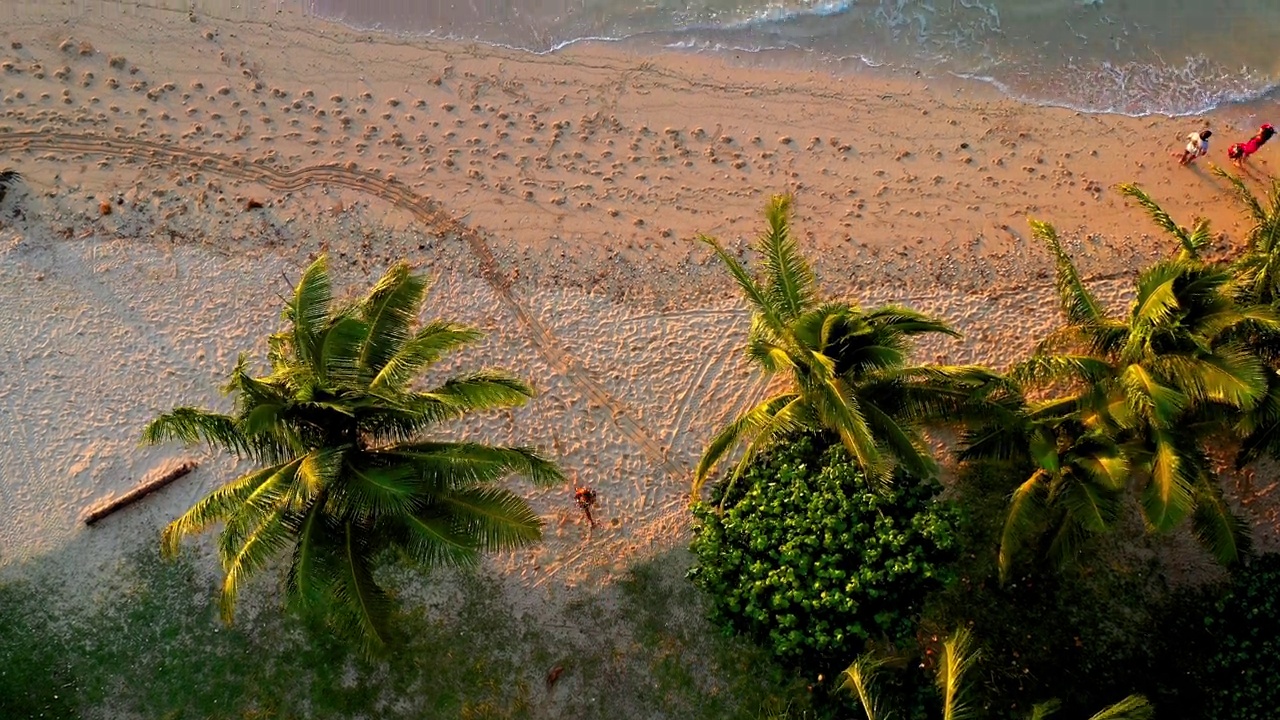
(1245,623)
(811,561)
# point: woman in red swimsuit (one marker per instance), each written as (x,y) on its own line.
(1241,151)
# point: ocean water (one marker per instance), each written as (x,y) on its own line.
(1175,57)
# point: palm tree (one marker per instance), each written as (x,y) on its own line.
(1076,479)
(343,471)
(956,657)
(1257,270)
(1257,281)
(847,366)
(1142,394)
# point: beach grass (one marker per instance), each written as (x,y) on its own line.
(152,646)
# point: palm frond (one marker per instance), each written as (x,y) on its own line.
(743,427)
(842,414)
(790,283)
(433,539)
(365,603)
(757,296)
(1091,507)
(427,345)
(215,507)
(484,390)
(1243,194)
(451,465)
(493,518)
(1168,496)
(1164,220)
(795,417)
(1078,304)
(902,442)
(957,657)
(340,345)
(1134,707)
(1025,517)
(309,310)
(390,310)
(373,492)
(1216,527)
(859,679)
(902,320)
(1231,377)
(262,543)
(303,580)
(1042,369)
(192,425)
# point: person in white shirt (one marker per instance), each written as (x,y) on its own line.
(1197,145)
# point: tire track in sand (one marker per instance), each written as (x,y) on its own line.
(429,212)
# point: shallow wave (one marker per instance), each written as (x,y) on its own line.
(1135,89)
(1098,86)
(774,15)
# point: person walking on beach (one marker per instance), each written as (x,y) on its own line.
(1197,145)
(1240,152)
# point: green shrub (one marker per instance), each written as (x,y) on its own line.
(812,562)
(1245,623)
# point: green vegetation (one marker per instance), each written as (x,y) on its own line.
(830,540)
(1145,395)
(155,647)
(847,367)
(1244,628)
(1107,431)
(344,475)
(813,561)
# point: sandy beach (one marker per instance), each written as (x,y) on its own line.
(179,171)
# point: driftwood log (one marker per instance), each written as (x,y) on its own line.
(145,488)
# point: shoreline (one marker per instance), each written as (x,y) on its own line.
(717,44)
(588,174)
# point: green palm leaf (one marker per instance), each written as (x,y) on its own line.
(260,544)
(485,390)
(360,600)
(744,427)
(1134,707)
(451,465)
(193,425)
(1216,527)
(790,282)
(1024,518)
(433,540)
(309,311)
(957,657)
(494,518)
(389,311)
(1078,304)
(859,679)
(1168,497)
(1192,243)
(426,346)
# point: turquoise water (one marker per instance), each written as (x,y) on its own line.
(1128,56)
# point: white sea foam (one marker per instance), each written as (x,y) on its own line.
(1105,63)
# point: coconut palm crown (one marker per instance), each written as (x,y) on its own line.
(1257,280)
(1132,402)
(343,471)
(848,367)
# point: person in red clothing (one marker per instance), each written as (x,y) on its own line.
(1241,151)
